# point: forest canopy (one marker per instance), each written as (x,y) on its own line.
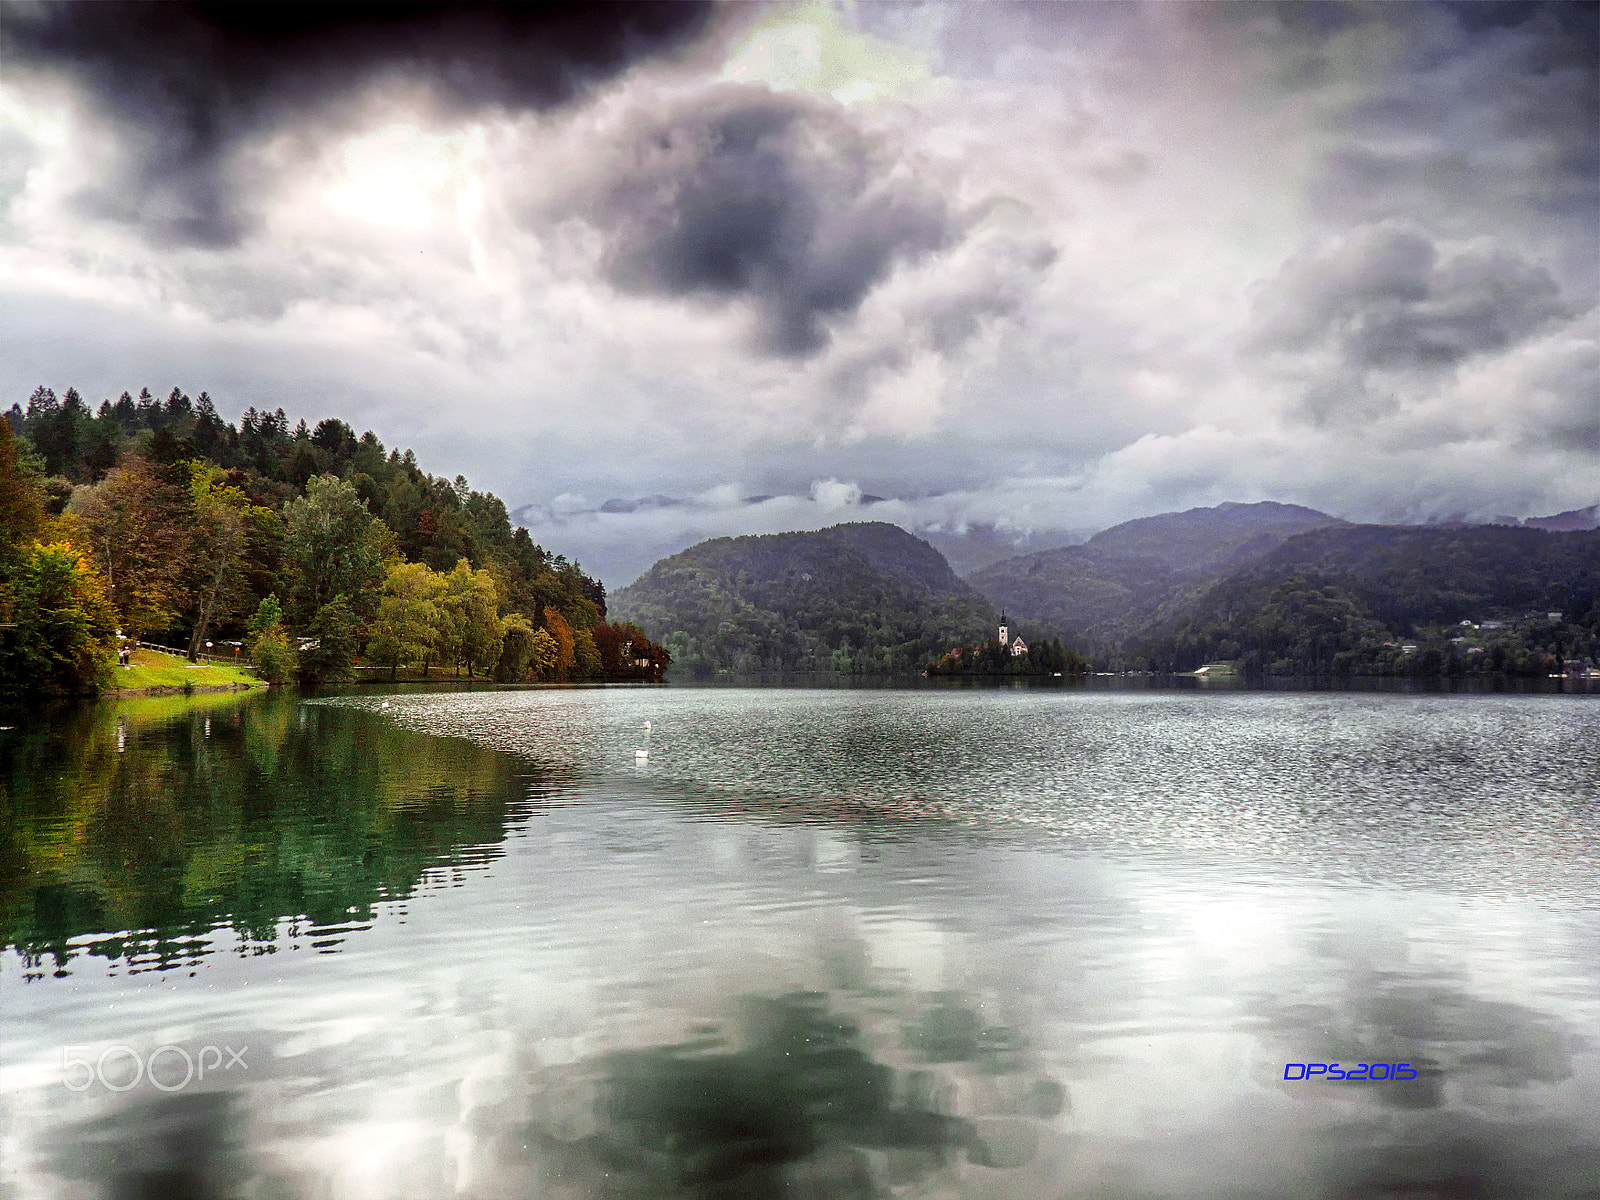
(159,521)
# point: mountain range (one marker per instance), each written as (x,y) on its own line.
(1095,595)
(1275,587)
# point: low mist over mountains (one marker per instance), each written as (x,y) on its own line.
(863,597)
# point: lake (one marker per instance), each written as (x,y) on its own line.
(997,943)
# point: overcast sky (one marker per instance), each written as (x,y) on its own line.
(1046,267)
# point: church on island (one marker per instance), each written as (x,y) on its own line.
(1018,646)
(1008,654)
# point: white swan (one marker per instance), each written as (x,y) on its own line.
(643,755)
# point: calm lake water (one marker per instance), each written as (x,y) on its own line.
(1030,944)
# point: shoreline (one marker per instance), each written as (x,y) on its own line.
(172,690)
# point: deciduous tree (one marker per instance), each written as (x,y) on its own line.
(334,639)
(566,645)
(474,608)
(410,616)
(544,654)
(267,644)
(138,525)
(218,540)
(21,514)
(61,625)
(516,649)
(335,547)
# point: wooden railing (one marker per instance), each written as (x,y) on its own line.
(228,660)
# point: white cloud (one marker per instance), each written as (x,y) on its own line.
(831,495)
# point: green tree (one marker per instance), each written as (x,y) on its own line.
(268,614)
(585,653)
(409,616)
(62,626)
(57,428)
(166,544)
(220,537)
(544,654)
(263,555)
(335,547)
(334,639)
(21,514)
(516,649)
(267,644)
(473,605)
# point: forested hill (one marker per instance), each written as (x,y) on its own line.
(1097,594)
(1207,539)
(1377,599)
(864,598)
(162,519)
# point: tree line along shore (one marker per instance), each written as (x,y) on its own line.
(152,520)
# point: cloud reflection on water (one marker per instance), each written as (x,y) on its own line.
(657,990)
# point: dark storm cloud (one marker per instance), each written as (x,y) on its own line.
(1494,106)
(1385,297)
(773,199)
(188,83)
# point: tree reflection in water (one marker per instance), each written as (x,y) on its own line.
(132,831)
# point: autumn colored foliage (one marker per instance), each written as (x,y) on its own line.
(314,550)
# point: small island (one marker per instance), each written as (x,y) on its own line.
(1006,654)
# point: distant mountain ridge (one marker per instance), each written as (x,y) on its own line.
(1412,574)
(1275,587)
(1574,520)
(1209,538)
(865,597)
(1122,578)
(1345,600)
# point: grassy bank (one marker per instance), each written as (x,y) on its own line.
(154,670)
